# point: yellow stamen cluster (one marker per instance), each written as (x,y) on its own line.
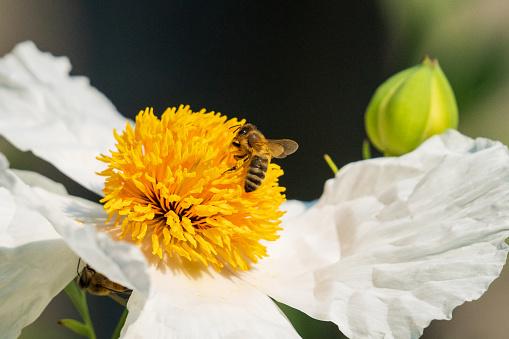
(166,182)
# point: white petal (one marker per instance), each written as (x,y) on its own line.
(37,180)
(120,261)
(61,119)
(39,240)
(293,208)
(418,236)
(35,262)
(201,303)
(308,243)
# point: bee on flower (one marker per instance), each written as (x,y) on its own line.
(392,244)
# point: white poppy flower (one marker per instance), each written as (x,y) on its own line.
(392,244)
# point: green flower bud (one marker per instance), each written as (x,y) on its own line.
(410,107)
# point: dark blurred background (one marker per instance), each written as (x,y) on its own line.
(295,70)
(304,72)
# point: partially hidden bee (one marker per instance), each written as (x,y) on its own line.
(255,149)
(96,283)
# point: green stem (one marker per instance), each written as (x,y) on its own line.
(79,299)
(331,163)
(120,325)
(366,151)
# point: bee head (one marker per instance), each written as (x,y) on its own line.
(245,129)
(242,131)
(85,276)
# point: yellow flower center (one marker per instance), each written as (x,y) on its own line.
(168,182)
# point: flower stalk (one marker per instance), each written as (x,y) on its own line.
(79,299)
(120,325)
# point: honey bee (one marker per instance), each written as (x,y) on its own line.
(253,147)
(96,283)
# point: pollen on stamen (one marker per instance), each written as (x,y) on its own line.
(166,185)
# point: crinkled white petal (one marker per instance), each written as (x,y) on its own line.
(60,118)
(40,241)
(120,261)
(308,243)
(188,301)
(418,235)
(35,262)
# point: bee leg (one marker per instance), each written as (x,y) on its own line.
(78,268)
(238,157)
(118,299)
(230,169)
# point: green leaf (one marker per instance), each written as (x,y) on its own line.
(76,326)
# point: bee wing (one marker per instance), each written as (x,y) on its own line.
(280,148)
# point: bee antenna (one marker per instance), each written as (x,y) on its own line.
(78,268)
(236,127)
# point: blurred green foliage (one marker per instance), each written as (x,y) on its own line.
(471,41)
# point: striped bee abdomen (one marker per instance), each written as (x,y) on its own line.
(256,172)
